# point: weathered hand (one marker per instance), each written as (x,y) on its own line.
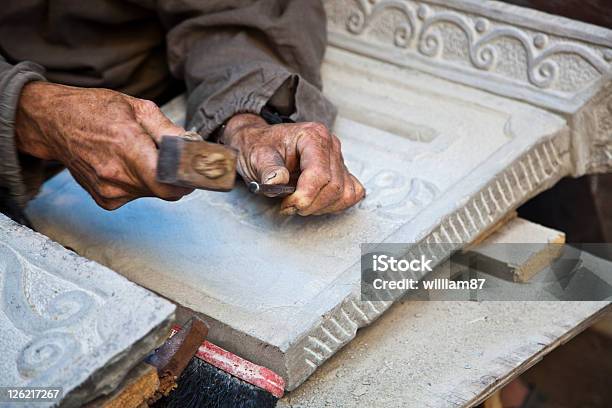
(106,139)
(271,153)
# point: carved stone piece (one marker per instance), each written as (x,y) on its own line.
(69,322)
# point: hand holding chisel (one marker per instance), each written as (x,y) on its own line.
(267,155)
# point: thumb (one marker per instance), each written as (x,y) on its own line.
(153,121)
(269,166)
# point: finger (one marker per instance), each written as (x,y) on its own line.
(360,191)
(144,163)
(350,201)
(153,121)
(346,200)
(313,147)
(334,191)
(267,166)
(109,199)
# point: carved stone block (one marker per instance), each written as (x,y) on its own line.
(69,322)
(441,163)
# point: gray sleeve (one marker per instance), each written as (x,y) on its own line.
(14,192)
(240,55)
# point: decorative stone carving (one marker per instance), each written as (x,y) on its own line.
(64,319)
(501,48)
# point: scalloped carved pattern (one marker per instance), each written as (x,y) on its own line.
(45,322)
(422,30)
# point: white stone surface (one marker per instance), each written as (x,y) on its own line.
(68,322)
(441,162)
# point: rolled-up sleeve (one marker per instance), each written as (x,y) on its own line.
(239,56)
(14,189)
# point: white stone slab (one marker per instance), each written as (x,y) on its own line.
(441,162)
(68,322)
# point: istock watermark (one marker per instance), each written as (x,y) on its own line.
(383,263)
(493,272)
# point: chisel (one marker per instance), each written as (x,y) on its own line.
(271,190)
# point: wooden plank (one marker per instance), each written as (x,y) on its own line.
(139,386)
(514,372)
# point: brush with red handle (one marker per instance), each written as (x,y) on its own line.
(217,378)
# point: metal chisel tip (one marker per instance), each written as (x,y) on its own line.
(271,190)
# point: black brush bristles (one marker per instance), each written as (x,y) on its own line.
(202,385)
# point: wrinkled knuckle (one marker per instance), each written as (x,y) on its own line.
(115,129)
(131,128)
(317,130)
(109,192)
(106,193)
(107,172)
(303,201)
(148,106)
(114,97)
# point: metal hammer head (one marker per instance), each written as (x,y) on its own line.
(188,162)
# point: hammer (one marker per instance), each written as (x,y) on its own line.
(190,161)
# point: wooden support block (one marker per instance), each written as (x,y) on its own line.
(139,386)
(491,230)
(535,247)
